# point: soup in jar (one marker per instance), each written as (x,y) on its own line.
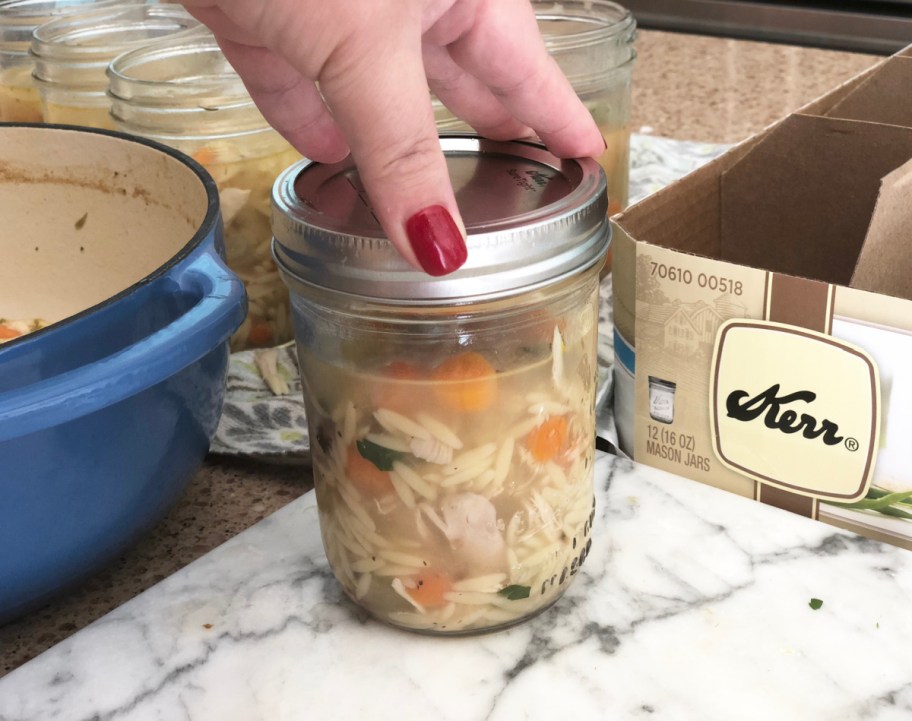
(455,485)
(19,101)
(245,184)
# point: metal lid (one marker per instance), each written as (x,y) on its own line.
(532,219)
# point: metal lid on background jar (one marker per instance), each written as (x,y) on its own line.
(532,219)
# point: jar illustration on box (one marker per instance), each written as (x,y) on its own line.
(661,400)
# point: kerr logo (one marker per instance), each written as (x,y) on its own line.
(795,409)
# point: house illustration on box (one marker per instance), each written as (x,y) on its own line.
(685,327)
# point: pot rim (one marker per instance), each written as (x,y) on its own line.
(206,226)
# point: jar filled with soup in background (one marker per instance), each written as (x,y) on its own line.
(19,101)
(72,53)
(593,42)
(451,418)
(183,93)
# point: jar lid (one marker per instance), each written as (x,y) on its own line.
(532,219)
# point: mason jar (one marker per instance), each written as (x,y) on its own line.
(19,101)
(183,93)
(451,418)
(72,53)
(593,43)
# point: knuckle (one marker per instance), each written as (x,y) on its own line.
(407,162)
(527,80)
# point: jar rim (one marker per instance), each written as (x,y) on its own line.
(600,20)
(532,219)
(12,10)
(63,39)
(20,18)
(126,85)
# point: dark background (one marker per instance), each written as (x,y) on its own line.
(872,26)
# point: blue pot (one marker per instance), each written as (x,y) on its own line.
(106,414)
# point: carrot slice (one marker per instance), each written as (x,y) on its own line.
(6,332)
(205,156)
(466,382)
(260,334)
(430,589)
(548,439)
(365,476)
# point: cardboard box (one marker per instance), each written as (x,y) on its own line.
(763,313)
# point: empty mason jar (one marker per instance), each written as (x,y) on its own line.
(451,418)
(19,101)
(183,93)
(72,54)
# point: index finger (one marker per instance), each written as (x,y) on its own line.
(376,88)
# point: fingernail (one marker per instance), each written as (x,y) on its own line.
(436,240)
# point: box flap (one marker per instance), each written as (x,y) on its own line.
(885,264)
(883,97)
(800,201)
(819,106)
(685,214)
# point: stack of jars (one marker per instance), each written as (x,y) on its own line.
(71,54)
(183,93)
(19,100)
(152,70)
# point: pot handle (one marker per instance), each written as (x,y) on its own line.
(78,392)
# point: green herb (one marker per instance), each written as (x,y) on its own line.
(515,592)
(380,456)
(82,221)
(815,603)
(884,502)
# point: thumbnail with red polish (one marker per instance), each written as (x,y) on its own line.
(436,240)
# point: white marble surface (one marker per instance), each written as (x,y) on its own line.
(693,604)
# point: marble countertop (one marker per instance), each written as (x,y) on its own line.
(687,87)
(693,604)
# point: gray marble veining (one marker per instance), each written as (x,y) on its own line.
(693,604)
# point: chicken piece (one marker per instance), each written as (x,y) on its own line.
(469,522)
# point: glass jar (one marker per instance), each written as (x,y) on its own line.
(72,53)
(451,419)
(183,93)
(19,101)
(593,42)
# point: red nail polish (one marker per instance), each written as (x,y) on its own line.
(436,240)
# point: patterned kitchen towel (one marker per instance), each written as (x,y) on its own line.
(258,422)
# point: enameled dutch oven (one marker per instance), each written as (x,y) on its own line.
(106,413)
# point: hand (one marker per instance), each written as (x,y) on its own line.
(373,62)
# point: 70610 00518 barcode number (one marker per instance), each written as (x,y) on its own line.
(703,280)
